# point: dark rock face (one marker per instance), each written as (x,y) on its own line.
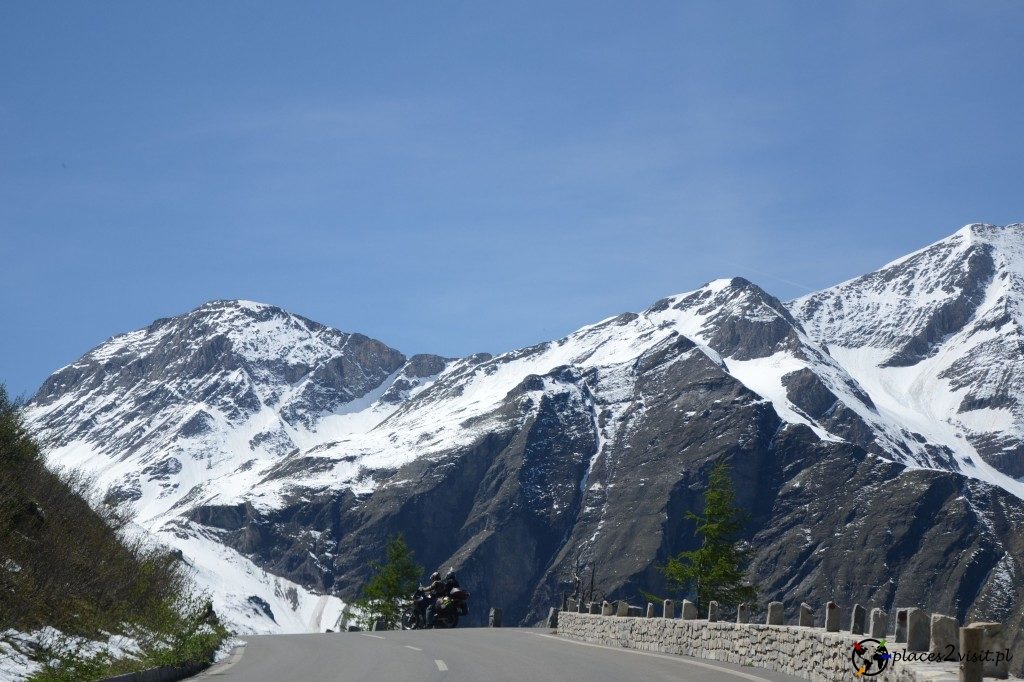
(806,391)
(743,320)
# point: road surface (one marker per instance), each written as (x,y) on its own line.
(462,655)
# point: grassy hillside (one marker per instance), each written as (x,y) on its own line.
(68,570)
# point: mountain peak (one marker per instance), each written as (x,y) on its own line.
(939,333)
(235,304)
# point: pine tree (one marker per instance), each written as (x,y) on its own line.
(717,570)
(393,582)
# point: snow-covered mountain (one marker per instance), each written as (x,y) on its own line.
(287,447)
(171,415)
(936,338)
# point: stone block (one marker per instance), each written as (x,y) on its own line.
(606,609)
(689,610)
(993,640)
(635,611)
(806,618)
(494,618)
(918,630)
(972,668)
(552,620)
(669,609)
(622,608)
(944,633)
(879,624)
(901,626)
(743,614)
(775,613)
(857,620)
(582,607)
(832,617)
(713,611)
(595,608)
(650,610)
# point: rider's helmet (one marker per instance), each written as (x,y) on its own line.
(435,576)
(450,575)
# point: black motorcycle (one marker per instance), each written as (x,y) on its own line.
(447,610)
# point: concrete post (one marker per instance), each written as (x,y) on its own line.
(901,626)
(552,621)
(582,607)
(669,609)
(712,612)
(994,641)
(743,614)
(970,648)
(879,624)
(565,602)
(568,604)
(944,633)
(774,613)
(806,618)
(494,618)
(689,610)
(917,630)
(831,617)
(857,620)
(622,608)
(650,610)
(595,608)
(606,609)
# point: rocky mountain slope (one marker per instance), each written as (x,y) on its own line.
(242,429)
(937,339)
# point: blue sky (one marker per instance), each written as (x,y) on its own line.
(454,177)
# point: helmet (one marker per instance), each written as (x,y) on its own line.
(450,575)
(435,576)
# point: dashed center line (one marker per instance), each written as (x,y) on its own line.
(364,634)
(440,665)
(414,648)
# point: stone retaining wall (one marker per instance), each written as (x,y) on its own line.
(807,652)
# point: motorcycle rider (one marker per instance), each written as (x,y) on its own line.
(435,586)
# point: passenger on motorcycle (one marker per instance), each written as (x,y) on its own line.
(438,590)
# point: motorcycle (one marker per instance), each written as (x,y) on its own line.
(447,610)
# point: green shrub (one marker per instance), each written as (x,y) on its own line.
(67,565)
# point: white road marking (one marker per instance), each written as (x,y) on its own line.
(364,634)
(669,657)
(440,665)
(414,648)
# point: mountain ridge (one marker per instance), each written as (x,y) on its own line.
(513,466)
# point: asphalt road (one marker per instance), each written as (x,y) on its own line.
(462,655)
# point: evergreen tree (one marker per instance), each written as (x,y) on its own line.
(393,582)
(717,570)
